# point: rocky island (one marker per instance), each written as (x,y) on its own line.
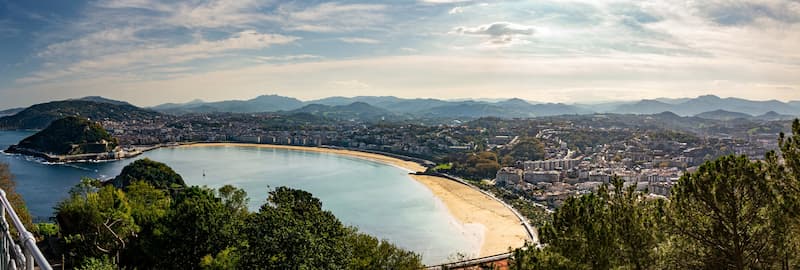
(72,139)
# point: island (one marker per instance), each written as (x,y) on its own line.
(72,139)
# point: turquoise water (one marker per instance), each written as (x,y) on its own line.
(379,199)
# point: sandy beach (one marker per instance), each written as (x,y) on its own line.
(501,228)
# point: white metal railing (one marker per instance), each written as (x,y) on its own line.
(23,254)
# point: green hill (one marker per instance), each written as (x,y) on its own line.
(154,173)
(70,136)
(40,115)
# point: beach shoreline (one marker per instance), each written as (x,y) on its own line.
(471,208)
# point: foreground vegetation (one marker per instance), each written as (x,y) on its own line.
(156,222)
(731,213)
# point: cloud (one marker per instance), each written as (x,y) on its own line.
(443,1)
(733,13)
(498,33)
(456,10)
(289,57)
(163,55)
(359,40)
(331,17)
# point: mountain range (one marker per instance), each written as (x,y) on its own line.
(505,108)
(374,108)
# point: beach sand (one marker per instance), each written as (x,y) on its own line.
(474,210)
(469,206)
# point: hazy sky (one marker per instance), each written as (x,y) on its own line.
(150,51)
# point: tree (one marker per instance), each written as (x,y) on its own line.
(103,263)
(533,258)
(292,231)
(95,224)
(722,210)
(602,230)
(235,199)
(155,173)
(528,148)
(8,185)
(149,206)
(196,225)
(371,253)
(785,176)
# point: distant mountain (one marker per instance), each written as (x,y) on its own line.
(467,109)
(354,111)
(723,115)
(602,107)
(379,101)
(170,106)
(394,104)
(40,115)
(100,99)
(708,103)
(265,103)
(511,108)
(774,116)
(11,111)
(795,104)
(647,106)
(552,109)
(672,100)
(68,136)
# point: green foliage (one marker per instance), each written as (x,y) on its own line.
(103,263)
(604,230)
(235,199)
(531,258)
(528,148)
(62,135)
(723,211)
(482,165)
(149,205)
(95,224)
(371,253)
(47,229)
(9,186)
(224,260)
(292,231)
(197,224)
(155,173)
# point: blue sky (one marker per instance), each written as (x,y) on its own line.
(151,51)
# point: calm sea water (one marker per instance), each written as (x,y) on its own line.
(379,199)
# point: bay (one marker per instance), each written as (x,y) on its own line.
(379,199)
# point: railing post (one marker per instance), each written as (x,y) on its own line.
(24,255)
(5,257)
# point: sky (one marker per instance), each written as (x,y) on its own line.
(150,52)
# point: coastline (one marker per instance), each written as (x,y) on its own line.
(406,165)
(482,217)
(502,229)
